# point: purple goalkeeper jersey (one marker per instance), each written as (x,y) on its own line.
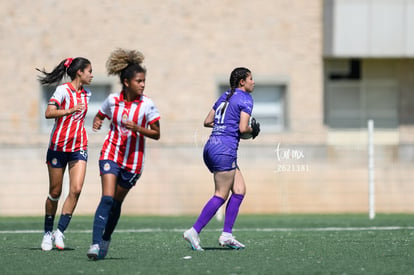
(220,151)
(226,123)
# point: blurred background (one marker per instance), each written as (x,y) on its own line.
(322,69)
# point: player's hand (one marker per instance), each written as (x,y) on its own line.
(130,125)
(97,124)
(78,108)
(256,127)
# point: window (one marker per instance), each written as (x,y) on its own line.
(99,93)
(356,91)
(269,106)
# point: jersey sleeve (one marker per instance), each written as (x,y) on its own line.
(152,112)
(58,96)
(105,109)
(88,94)
(246,104)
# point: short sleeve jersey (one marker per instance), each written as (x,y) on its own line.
(68,133)
(123,146)
(226,122)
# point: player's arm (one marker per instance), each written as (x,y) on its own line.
(152,132)
(209,120)
(244,127)
(52,110)
(97,122)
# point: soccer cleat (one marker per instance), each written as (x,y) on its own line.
(58,236)
(103,249)
(93,252)
(191,236)
(47,242)
(230,242)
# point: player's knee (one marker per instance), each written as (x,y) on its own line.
(53,197)
(55,191)
(76,191)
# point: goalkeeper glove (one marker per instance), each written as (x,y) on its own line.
(256,127)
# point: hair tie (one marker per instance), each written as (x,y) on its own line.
(68,62)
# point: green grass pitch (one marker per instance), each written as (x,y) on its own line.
(275,244)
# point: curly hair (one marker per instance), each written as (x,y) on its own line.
(125,63)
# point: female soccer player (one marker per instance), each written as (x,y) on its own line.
(229,119)
(133,118)
(68,144)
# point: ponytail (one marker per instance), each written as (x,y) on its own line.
(68,66)
(236,75)
(229,95)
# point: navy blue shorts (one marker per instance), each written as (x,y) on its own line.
(58,159)
(219,158)
(123,178)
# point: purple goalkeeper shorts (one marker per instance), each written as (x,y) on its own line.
(219,157)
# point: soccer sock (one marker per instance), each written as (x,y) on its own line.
(232,210)
(101,218)
(64,221)
(208,212)
(112,220)
(48,225)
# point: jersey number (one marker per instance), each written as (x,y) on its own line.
(221,113)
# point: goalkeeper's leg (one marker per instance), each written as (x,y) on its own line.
(232,211)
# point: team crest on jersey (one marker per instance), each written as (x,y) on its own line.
(124,118)
(54,161)
(124,131)
(107,167)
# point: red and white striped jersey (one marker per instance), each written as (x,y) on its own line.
(121,145)
(68,133)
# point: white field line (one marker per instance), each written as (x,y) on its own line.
(311,229)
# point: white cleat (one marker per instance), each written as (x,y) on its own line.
(192,237)
(93,252)
(47,242)
(58,236)
(230,242)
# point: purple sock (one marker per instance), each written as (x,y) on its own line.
(208,212)
(232,210)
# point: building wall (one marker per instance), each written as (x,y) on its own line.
(188,45)
(190,48)
(372,30)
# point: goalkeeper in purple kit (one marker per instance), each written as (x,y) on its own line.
(229,119)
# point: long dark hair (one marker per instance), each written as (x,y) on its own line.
(236,75)
(67,66)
